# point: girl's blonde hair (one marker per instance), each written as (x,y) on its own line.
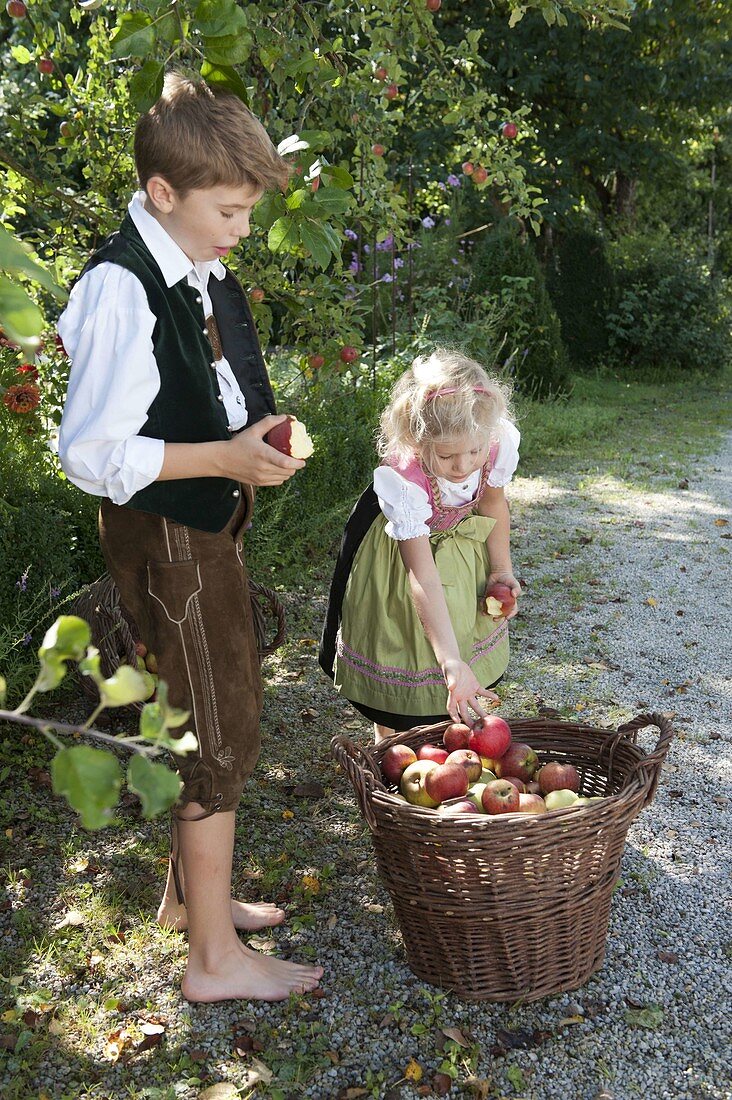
(442,396)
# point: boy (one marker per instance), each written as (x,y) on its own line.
(167,408)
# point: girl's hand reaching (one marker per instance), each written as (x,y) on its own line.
(507,578)
(463,692)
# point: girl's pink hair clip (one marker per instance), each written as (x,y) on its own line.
(447,390)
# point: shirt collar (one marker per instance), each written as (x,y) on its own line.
(170,257)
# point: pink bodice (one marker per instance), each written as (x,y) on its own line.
(444,516)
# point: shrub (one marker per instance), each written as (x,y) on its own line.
(670,316)
(580,282)
(505,267)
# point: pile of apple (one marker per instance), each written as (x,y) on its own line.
(481,769)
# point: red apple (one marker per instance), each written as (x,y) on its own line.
(380,73)
(432,752)
(500,797)
(468,167)
(446,781)
(462,806)
(456,736)
(16,9)
(391,91)
(257,294)
(520,760)
(315,362)
(348,354)
(499,599)
(45,65)
(433,5)
(412,783)
(531,804)
(291,438)
(468,760)
(558,777)
(518,783)
(395,760)
(480,174)
(509,129)
(491,737)
(378,150)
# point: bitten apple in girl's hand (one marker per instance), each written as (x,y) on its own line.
(499,600)
(291,438)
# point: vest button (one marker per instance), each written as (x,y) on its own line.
(199,298)
(220,397)
(236,493)
(204,331)
(212,366)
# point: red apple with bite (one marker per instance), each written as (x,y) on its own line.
(500,797)
(558,777)
(520,760)
(446,781)
(412,783)
(395,760)
(432,752)
(456,736)
(531,804)
(490,737)
(518,783)
(291,438)
(499,600)
(469,760)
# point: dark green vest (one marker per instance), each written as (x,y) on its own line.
(188,407)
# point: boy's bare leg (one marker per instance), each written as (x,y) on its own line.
(247,916)
(380,732)
(220,967)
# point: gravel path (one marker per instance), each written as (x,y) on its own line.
(626,609)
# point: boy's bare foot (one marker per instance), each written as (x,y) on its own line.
(244,974)
(247,916)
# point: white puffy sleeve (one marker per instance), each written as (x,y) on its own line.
(405,505)
(508,454)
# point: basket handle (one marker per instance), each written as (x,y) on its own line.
(653,760)
(363,772)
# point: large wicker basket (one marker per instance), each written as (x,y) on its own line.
(511,907)
(115,633)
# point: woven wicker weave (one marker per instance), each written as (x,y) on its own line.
(114,632)
(509,907)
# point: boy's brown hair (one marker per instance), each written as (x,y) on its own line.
(195,137)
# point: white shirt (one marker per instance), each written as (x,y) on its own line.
(107,329)
(407,506)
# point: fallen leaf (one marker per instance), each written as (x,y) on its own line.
(652,601)
(222,1090)
(72,919)
(667,956)
(479,1086)
(413,1071)
(7,1042)
(78,866)
(354,1093)
(116,1043)
(373,907)
(721,522)
(332,921)
(571,1020)
(198,1055)
(309,788)
(352,725)
(308,715)
(262,943)
(333,1056)
(441,1084)
(684,483)
(456,1035)
(55,1027)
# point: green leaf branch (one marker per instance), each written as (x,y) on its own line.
(91,778)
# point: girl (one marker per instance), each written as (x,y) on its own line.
(406,616)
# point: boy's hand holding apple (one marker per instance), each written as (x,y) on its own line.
(250,458)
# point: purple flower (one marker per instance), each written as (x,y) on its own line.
(453,180)
(354,266)
(27,639)
(22,584)
(55,593)
(413,244)
(441,186)
(428,222)
(453,260)
(367,248)
(387,278)
(350,234)
(385,245)
(398,262)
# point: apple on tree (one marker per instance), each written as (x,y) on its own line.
(377,149)
(290,437)
(480,174)
(380,72)
(16,9)
(256,294)
(315,362)
(395,760)
(509,130)
(391,91)
(348,354)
